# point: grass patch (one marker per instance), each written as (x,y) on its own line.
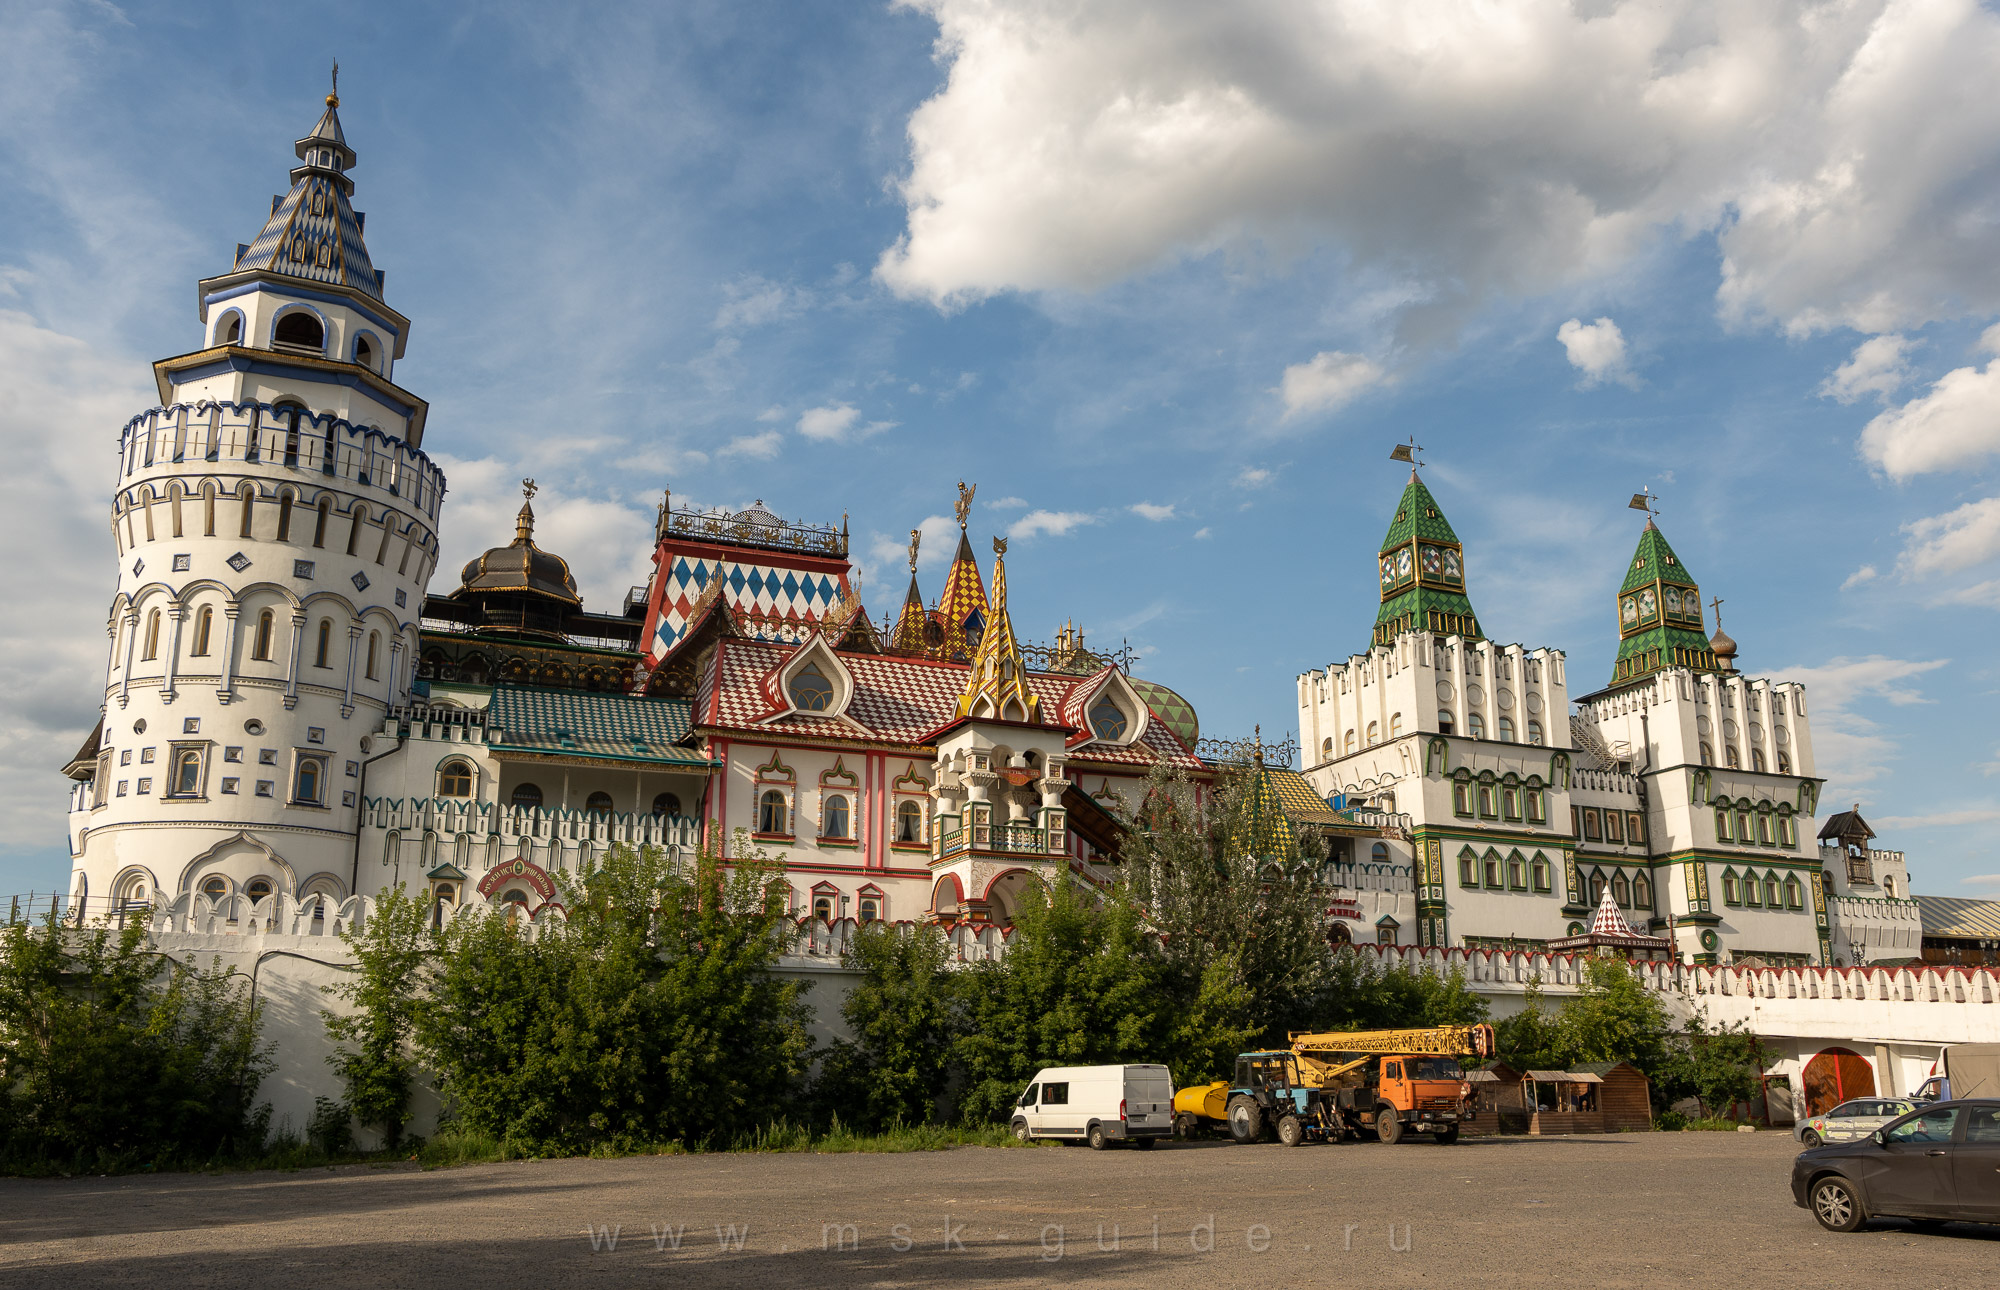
(838,1138)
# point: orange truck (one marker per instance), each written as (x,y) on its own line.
(1393,1083)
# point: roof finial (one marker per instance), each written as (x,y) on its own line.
(999,546)
(965,492)
(1408,452)
(524,520)
(333,99)
(1643,500)
(916,538)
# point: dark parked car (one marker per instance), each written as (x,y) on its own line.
(1940,1163)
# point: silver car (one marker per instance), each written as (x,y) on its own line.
(1855,1118)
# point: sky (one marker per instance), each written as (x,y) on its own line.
(1167,280)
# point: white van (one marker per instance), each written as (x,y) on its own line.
(1098,1104)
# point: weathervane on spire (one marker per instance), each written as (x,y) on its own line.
(1644,500)
(333,99)
(529,488)
(965,492)
(1408,452)
(916,537)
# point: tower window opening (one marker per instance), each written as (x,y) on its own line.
(1444,721)
(308,782)
(204,621)
(374,647)
(325,642)
(319,524)
(598,804)
(811,691)
(301,331)
(285,518)
(232,331)
(249,509)
(152,650)
(261,648)
(526,796)
(354,533)
(364,353)
(455,779)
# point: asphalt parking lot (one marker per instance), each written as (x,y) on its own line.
(1631,1209)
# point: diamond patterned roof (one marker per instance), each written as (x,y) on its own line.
(896,700)
(614,727)
(1177,713)
(313,232)
(1262,828)
(1418,515)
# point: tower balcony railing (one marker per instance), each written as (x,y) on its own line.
(452,818)
(169,439)
(1006,838)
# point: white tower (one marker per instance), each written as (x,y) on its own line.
(275,524)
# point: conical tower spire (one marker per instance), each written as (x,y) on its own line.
(909,636)
(313,231)
(1422,568)
(997,685)
(1659,613)
(963,605)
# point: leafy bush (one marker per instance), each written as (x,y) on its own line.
(114,1055)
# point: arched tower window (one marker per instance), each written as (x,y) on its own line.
(152,649)
(526,796)
(1506,730)
(1475,725)
(1106,721)
(364,353)
(204,622)
(249,509)
(299,330)
(374,646)
(232,330)
(260,649)
(319,522)
(325,643)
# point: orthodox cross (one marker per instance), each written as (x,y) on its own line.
(1716,605)
(965,493)
(333,99)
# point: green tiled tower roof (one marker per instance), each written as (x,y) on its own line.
(1261,828)
(1659,614)
(1422,568)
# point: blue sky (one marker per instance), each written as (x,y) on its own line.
(1165,279)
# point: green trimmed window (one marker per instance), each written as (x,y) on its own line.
(1460,799)
(1773,893)
(1732,891)
(1722,826)
(1593,825)
(1642,892)
(1540,870)
(1468,868)
(1517,873)
(1538,806)
(1487,808)
(1764,837)
(1795,895)
(1493,870)
(1788,830)
(1752,896)
(1510,804)
(1621,891)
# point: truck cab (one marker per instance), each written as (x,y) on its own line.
(1407,1092)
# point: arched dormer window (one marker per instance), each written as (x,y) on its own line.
(364,352)
(809,688)
(455,779)
(1107,721)
(299,331)
(231,331)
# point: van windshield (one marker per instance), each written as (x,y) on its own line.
(1431,1068)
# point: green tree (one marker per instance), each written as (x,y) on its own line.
(1718,1068)
(393,951)
(1363,993)
(1613,1017)
(1241,936)
(1529,1040)
(905,1013)
(114,1054)
(650,1014)
(1077,987)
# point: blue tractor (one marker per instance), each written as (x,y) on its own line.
(1269,1096)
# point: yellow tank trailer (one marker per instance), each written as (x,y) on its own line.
(1203,1107)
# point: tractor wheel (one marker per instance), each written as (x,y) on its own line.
(1021,1131)
(1098,1139)
(1246,1119)
(1291,1130)
(1387,1127)
(1448,1136)
(1186,1126)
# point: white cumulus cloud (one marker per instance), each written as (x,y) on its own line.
(762,446)
(1053,523)
(1153,511)
(1957,539)
(1842,153)
(1878,366)
(1252,477)
(839,423)
(1848,746)
(1596,349)
(1955,424)
(1327,381)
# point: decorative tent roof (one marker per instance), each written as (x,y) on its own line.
(1659,614)
(1301,802)
(313,231)
(997,683)
(1609,930)
(1261,827)
(1845,825)
(1422,567)
(963,605)
(591,725)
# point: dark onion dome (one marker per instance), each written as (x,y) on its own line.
(1724,647)
(518,589)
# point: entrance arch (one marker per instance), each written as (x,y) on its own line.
(1835,1075)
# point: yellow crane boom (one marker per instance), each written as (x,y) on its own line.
(1316,1050)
